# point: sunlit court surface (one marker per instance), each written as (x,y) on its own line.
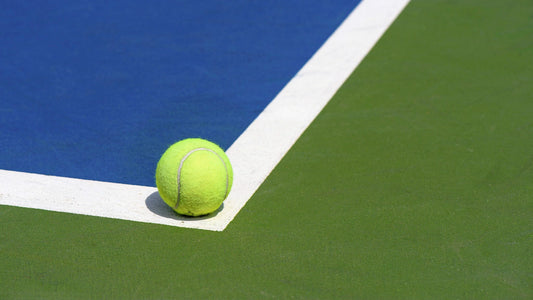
(380,148)
(253,155)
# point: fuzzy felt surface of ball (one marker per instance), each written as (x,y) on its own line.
(194,176)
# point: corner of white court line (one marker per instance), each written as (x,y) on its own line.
(253,155)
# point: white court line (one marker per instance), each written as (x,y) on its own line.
(253,155)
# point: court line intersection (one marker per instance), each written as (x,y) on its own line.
(253,155)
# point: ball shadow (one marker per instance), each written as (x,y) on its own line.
(156,205)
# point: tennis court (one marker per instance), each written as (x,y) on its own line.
(414,181)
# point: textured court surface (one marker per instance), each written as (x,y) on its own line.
(98,90)
(415,182)
(253,155)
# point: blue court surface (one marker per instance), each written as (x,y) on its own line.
(99,89)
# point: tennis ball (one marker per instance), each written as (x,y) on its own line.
(194,176)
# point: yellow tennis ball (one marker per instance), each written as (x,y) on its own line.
(194,176)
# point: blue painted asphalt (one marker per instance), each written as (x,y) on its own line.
(99,89)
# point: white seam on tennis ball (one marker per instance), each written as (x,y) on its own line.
(183,161)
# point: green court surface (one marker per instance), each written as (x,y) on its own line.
(415,182)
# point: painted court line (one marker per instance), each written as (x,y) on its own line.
(253,155)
